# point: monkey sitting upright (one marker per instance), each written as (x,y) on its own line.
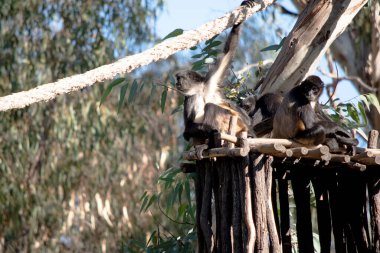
(205,108)
(296,117)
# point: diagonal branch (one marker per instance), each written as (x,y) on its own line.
(125,65)
(319,24)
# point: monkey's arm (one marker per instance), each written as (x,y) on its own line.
(309,132)
(217,74)
(307,116)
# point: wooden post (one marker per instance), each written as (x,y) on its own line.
(301,190)
(246,183)
(374,196)
(284,215)
(259,203)
(320,186)
(275,246)
(232,129)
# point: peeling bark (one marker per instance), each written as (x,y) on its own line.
(319,24)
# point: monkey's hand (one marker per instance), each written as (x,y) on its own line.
(248,3)
(199,150)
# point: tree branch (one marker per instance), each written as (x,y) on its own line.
(319,24)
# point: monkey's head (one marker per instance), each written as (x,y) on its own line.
(312,88)
(248,103)
(189,82)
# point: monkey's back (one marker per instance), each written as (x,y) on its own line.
(285,120)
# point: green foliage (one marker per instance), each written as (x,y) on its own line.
(68,169)
(352,115)
(174,33)
(175,201)
(163,99)
(113,84)
(137,90)
(207,54)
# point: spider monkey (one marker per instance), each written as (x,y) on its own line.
(262,112)
(205,108)
(336,136)
(296,117)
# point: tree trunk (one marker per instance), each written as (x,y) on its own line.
(319,24)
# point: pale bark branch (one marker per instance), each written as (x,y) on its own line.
(125,65)
(319,24)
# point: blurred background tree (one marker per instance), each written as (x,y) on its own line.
(71,171)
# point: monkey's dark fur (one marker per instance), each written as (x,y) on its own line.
(300,117)
(205,108)
(262,112)
(296,117)
(336,136)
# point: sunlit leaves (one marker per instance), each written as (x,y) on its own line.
(353,115)
(207,53)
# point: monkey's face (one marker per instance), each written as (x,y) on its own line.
(312,88)
(248,104)
(312,91)
(189,82)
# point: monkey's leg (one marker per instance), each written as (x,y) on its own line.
(346,140)
(313,136)
(216,118)
(332,144)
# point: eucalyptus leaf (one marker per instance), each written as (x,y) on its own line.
(114,83)
(163,99)
(174,33)
(144,203)
(151,201)
(274,47)
(212,44)
(362,112)
(198,65)
(270,48)
(152,93)
(197,56)
(123,91)
(132,92)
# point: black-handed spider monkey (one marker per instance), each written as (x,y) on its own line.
(205,108)
(336,136)
(296,117)
(262,112)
